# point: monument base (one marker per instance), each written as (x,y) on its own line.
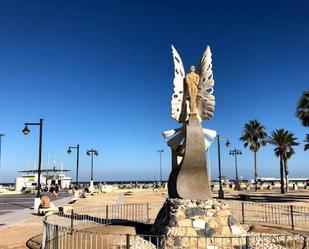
(193,224)
(91,187)
(37,202)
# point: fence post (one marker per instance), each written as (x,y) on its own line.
(128,241)
(106,215)
(292,216)
(72,221)
(247,242)
(56,237)
(147,212)
(44,234)
(243,212)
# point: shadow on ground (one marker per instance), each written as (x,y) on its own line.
(140,228)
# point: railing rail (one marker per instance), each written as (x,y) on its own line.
(63,229)
(246,212)
(64,238)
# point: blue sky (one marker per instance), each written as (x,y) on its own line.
(100,74)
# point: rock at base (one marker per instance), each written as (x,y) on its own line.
(196,224)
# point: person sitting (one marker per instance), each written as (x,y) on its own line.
(46,206)
(45,202)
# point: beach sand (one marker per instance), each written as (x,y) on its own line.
(16,236)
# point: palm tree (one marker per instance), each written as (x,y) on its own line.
(255,137)
(307,142)
(284,142)
(286,157)
(302,109)
(302,113)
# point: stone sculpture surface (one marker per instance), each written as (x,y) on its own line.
(192,81)
(192,102)
(190,212)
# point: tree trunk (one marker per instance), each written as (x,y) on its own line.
(281,176)
(255,171)
(286,176)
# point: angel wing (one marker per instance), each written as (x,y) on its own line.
(175,137)
(205,98)
(178,102)
(209,137)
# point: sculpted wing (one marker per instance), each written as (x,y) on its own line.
(205,98)
(178,102)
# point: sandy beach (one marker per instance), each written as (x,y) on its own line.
(16,235)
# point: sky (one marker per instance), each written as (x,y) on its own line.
(100,75)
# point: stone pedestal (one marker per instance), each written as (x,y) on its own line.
(197,224)
(91,187)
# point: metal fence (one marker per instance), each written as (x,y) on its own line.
(275,214)
(246,212)
(78,228)
(58,237)
(106,214)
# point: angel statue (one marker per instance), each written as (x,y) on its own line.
(192,102)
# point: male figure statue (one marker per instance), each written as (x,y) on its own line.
(192,81)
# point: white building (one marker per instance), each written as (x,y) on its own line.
(49,177)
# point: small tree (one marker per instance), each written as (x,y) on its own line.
(255,137)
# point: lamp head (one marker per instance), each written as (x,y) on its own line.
(88,153)
(228,143)
(26,130)
(96,153)
(69,151)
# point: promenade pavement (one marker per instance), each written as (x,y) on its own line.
(16,208)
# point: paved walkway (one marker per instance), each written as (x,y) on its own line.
(13,216)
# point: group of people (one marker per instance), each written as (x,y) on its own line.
(54,190)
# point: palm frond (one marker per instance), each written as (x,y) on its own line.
(254,135)
(306,147)
(284,141)
(302,109)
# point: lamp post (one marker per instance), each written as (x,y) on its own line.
(227,144)
(234,153)
(1,135)
(92,153)
(26,131)
(77,160)
(160,152)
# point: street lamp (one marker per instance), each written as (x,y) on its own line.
(234,153)
(92,153)
(160,152)
(1,135)
(77,159)
(26,131)
(227,144)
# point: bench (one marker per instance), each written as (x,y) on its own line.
(45,211)
(50,210)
